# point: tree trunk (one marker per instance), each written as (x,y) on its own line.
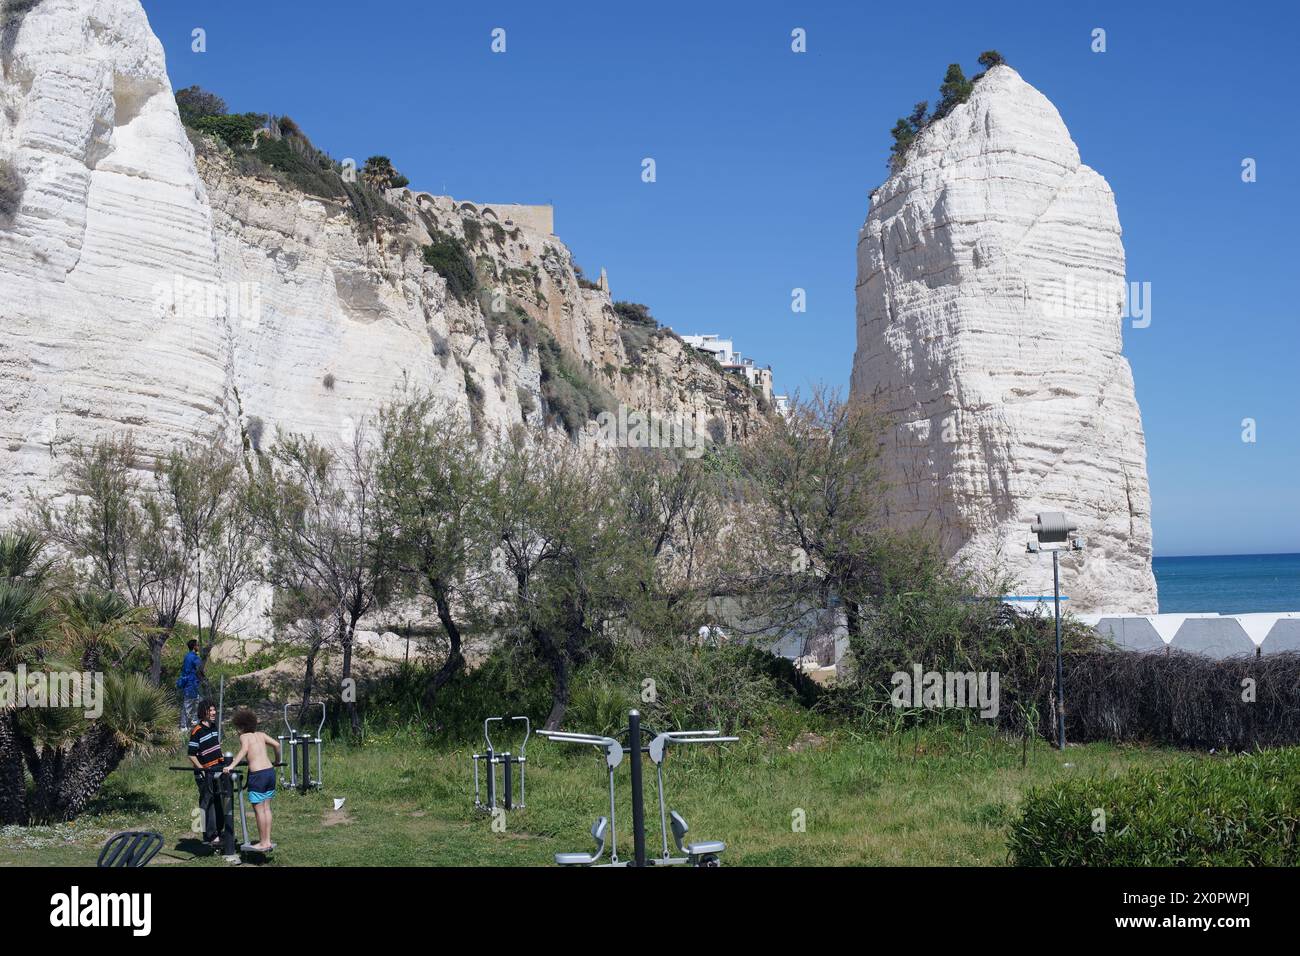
(13,785)
(558,661)
(156,644)
(455,661)
(47,781)
(853,625)
(354,719)
(75,778)
(308,678)
(559,693)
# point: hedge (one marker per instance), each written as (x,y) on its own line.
(1182,699)
(1211,811)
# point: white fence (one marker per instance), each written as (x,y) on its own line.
(1214,635)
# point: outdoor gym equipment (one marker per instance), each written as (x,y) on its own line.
(699,853)
(229,788)
(296,750)
(507,761)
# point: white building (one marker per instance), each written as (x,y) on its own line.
(732,361)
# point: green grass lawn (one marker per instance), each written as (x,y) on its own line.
(938,798)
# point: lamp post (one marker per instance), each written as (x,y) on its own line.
(1052,530)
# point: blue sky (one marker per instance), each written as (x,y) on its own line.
(765,160)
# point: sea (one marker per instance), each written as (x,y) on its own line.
(1229,583)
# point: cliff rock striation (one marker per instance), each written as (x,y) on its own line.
(990,296)
(155,282)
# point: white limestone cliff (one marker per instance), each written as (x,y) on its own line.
(107,203)
(150,285)
(989,300)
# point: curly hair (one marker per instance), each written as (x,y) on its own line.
(245,720)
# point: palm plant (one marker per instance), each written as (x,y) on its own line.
(68,751)
(95,622)
(71,755)
(22,557)
(27,635)
(379,173)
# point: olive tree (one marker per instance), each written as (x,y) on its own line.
(315,508)
(569,569)
(432,486)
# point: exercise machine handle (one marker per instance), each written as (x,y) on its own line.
(613,748)
(292,731)
(661,742)
(528,730)
(485,732)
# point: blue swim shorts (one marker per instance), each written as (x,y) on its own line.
(261,785)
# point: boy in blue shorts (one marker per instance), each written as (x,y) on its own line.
(261,773)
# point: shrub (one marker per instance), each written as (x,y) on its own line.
(527,405)
(293,160)
(195,103)
(254,430)
(328,381)
(447,256)
(501,684)
(11,193)
(234,129)
(474,392)
(600,702)
(583,281)
(919,612)
(904,135)
(634,313)
(568,404)
(302,165)
(1239,811)
(368,207)
(1184,700)
(572,398)
(729,687)
(636,328)
(473,231)
(472,387)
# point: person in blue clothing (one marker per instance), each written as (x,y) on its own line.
(188,685)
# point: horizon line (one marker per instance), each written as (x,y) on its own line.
(1235,554)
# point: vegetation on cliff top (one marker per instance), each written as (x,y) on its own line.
(277,147)
(953,91)
(636,328)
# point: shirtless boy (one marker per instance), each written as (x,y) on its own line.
(261,773)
